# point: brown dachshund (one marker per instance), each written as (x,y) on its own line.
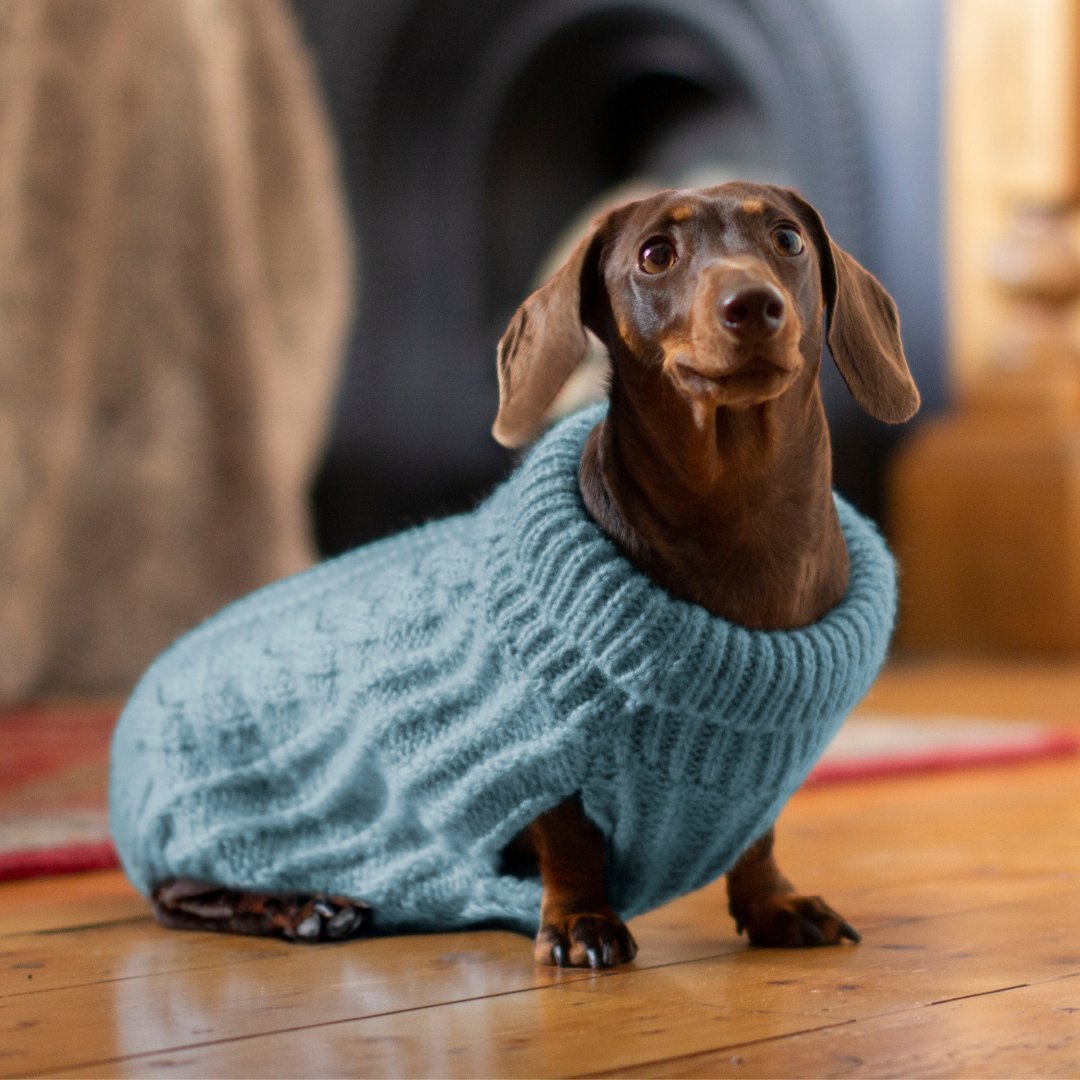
(711,473)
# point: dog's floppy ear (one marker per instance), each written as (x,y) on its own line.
(546,341)
(862,328)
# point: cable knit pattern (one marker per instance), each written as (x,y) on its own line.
(382,725)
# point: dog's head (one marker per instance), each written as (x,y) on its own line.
(723,290)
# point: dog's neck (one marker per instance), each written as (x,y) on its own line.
(728,508)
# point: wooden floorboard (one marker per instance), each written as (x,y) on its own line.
(965,886)
(66,901)
(1015,1032)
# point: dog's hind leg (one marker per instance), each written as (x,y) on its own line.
(767,908)
(187,904)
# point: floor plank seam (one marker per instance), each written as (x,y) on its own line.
(1005,989)
(731,1047)
(127,978)
(52,931)
(106,924)
(986,993)
(910,920)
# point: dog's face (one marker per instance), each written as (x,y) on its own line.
(723,290)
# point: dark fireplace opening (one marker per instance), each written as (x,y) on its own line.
(609,99)
(474,134)
(663,124)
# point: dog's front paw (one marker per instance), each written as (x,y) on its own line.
(584,939)
(791,921)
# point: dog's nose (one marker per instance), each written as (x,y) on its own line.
(753,311)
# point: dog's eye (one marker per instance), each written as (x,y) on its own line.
(787,240)
(657,255)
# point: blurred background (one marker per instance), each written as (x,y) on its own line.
(473,134)
(257,255)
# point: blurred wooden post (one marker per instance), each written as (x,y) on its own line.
(985,501)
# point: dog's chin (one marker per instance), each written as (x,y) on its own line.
(756,382)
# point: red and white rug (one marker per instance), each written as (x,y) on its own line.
(53,789)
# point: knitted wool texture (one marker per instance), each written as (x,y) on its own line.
(382,725)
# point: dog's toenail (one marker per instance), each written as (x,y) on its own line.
(343,923)
(309,928)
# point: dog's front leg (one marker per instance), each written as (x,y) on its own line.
(578,927)
(765,904)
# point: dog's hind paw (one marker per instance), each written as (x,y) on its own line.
(185,904)
(792,921)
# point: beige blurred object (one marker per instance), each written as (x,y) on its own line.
(175,281)
(986,499)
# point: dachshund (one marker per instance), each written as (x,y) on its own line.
(711,472)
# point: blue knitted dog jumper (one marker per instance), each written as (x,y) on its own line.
(382,725)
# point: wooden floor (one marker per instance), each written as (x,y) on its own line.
(966,888)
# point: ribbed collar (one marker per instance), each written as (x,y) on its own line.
(554,572)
